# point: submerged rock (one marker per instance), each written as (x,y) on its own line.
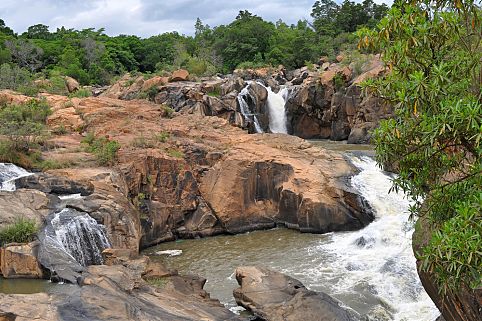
(273,296)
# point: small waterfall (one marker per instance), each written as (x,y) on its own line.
(80,236)
(276,107)
(70,241)
(243,97)
(8,174)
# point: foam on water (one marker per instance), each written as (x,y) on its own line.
(8,174)
(379,257)
(277,114)
(169,252)
(79,235)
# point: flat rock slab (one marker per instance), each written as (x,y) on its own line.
(118,293)
(273,296)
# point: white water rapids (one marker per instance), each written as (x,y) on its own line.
(8,174)
(380,256)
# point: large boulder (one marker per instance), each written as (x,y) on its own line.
(319,106)
(71,84)
(154,82)
(66,119)
(25,203)
(273,296)
(251,189)
(20,261)
(179,75)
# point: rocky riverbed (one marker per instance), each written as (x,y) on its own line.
(186,168)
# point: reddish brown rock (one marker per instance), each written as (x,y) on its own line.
(179,75)
(20,261)
(154,82)
(71,84)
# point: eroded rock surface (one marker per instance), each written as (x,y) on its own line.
(20,261)
(273,296)
(120,293)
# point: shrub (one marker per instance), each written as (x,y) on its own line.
(13,77)
(338,82)
(175,153)
(57,83)
(163,136)
(167,111)
(21,231)
(158,282)
(23,125)
(152,92)
(252,65)
(60,130)
(81,93)
(105,150)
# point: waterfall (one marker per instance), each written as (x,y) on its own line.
(243,97)
(276,107)
(8,174)
(70,241)
(80,236)
(380,257)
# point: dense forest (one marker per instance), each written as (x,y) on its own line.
(92,57)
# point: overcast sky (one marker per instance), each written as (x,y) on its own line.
(144,17)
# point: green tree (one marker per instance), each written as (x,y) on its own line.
(38,31)
(245,38)
(433,52)
(4,29)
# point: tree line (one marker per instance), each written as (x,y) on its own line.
(92,57)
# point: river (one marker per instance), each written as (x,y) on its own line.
(371,271)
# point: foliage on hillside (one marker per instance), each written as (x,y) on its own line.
(92,57)
(22,128)
(433,49)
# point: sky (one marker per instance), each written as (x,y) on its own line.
(145,17)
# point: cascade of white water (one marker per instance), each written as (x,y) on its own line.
(8,174)
(380,256)
(79,235)
(276,107)
(243,97)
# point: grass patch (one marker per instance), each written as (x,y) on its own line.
(59,130)
(105,150)
(163,136)
(21,231)
(167,111)
(81,93)
(158,282)
(215,92)
(175,153)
